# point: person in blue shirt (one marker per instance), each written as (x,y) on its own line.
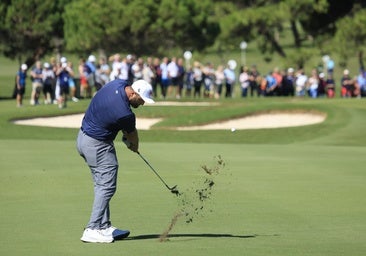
(64,74)
(20,80)
(91,68)
(109,113)
(230,79)
(271,84)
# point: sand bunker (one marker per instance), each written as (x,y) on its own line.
(186,103)
(74,121)
(263,121)
(260,121)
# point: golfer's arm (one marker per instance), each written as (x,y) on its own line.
(133,138)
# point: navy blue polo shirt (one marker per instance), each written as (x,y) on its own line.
(109,112)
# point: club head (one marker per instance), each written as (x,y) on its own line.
(174,190)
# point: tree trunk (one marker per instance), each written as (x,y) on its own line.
(276,46)
(296,34)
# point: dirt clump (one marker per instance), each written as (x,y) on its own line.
(193,202)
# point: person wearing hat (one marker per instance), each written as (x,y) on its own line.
(288,83)
(37,82)
(90,68)
(109,113)
(20,80)
(48,77)
(347,85)
(230,78)
(322,85)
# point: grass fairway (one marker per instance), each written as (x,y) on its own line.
(291,191)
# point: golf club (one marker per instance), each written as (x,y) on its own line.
(173,189)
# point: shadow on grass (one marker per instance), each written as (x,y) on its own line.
(156,236)
(6,98)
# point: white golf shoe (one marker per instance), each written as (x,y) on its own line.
(108,231)
(115,233)
(96,236)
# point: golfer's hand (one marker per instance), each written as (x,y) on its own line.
(132,140)
(129,145)
(126,142)
(133,148)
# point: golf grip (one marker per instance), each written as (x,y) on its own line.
(153,169)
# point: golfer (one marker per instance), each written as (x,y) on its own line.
(108,113)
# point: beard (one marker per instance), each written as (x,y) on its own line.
(134,104)
(136,101)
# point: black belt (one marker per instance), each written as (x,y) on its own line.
(82,130)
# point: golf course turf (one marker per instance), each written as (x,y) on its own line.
(288,191)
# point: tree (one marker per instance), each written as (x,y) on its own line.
(313,21)
(139,26)
(90,24)
(263,21)
(189,23)
(351,35)
(298,13)
(28,28)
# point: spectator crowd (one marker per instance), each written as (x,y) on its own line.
(57,81)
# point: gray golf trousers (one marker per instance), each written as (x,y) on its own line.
(102,161)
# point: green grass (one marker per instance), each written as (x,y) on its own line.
(288,191)
(270,200)
(343,126)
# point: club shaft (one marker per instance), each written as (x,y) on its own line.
(143,158)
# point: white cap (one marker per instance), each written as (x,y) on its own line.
(232,64)
(92,58)
(144,89)
(63,60)
(290,70)
(322,75)
(24,67)
(46,65)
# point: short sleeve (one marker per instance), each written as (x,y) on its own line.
(128,123)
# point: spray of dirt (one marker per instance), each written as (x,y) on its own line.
(194,200)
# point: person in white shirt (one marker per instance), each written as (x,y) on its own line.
(119,70)
(137,69)
(173,76)
(244,81)
(147,72)
(164,76)
(300,83)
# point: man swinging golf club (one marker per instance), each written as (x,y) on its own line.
(108,113)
